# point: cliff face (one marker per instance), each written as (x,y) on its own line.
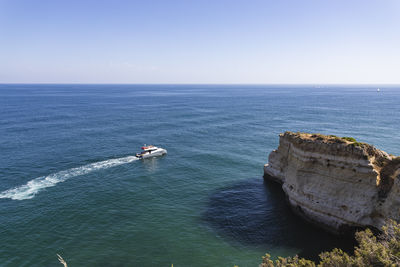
(335,182)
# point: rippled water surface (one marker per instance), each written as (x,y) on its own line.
(69,183)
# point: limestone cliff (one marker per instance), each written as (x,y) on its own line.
(336,182)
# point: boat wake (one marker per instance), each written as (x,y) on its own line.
(30,189)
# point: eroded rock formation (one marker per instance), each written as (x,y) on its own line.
(336,182)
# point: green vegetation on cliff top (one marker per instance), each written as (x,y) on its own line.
(330,138)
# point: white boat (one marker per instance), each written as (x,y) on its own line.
(151,151)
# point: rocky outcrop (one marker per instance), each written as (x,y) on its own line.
(336,182)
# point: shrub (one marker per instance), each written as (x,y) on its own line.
(357,144)
(372,250)
(350,139)
(289,261)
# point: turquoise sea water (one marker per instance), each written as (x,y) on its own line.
(69,183)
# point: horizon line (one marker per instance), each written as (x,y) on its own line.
(88,83)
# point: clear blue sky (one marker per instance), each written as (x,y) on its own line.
(188,41)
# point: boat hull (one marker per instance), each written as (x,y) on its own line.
(157,153)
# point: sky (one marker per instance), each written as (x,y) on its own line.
(210,42)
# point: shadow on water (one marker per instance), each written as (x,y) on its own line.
(255,213)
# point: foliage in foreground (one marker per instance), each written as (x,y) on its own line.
(382,250)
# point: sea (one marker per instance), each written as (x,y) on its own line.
(70,184)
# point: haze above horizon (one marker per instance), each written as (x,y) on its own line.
(214,42)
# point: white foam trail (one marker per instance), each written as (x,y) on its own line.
(30,189)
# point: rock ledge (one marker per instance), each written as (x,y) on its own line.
(336,182)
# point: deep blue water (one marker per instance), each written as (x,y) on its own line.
(69,185)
